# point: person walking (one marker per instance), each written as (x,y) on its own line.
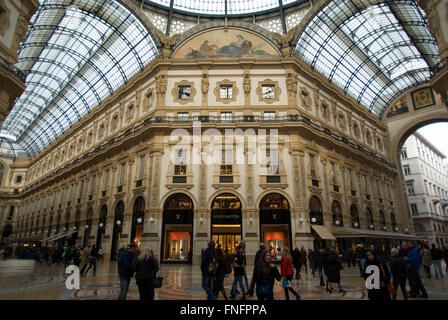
(287,272)
(332,267)
(426,258)
(125,261)
(361,256)
(265,275)
(399,272)
(100,254)
(209,269)
(220,273)
(238,273)
(256,261)
(303,259)
(145,270)
(382,294)
(445,258)
(243,246)
(93,258)
(296,261)
(436,256)
(85,254)
(414,261)
(310,261)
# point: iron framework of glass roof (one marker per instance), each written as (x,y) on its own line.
(76,53)
(373,50)
(223,7)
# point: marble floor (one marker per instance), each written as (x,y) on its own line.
(25,280)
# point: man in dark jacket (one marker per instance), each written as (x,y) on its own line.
(415,261)
(125,269)
(436,256)
(296,260)
(209,268)
(256,261)
(399,272)
(361,256)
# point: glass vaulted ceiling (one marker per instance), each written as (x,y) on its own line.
(218,7)
(76,53)
(372,50)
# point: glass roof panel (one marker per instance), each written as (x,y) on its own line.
(75,54)
(373,50)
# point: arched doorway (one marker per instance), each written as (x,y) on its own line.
(336,212)
(87,226)
(382,220)
(354,216)
(138,217)
(101,226)
(393,221)
(275,223)
(177,229)
(226,220)
(118,226)
(75,234)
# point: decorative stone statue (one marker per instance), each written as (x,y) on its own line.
(285,41)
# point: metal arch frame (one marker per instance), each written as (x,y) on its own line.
(320,16)
(115,27)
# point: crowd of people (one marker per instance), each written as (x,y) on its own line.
(398,267)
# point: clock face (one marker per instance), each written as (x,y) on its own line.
(268,92)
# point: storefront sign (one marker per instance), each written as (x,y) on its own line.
(226,217)
(275,217)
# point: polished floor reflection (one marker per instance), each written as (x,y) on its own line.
(23,280)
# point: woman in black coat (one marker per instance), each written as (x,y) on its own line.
(332,269)
(381,294)
(296,262)
(265,274)
(145,269)
(220,273)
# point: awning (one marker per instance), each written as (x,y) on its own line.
(323,232)
(339,232)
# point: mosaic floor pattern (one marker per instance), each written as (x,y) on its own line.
(22,281)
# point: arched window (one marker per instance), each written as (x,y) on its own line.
(273,201)
(355,216)
(369,218)
(316,216)
(2,169)
(178,201)
(393,221)
(337,214)
(382,220)
(138,216)
(226,201)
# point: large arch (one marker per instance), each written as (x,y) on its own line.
(177,228)
(137,222)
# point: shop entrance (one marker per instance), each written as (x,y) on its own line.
(226,222)
(118,226)
(177,229)
(275,224)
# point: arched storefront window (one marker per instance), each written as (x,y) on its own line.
(316,216)
(355,216)
(275,223)
(138,217)
(226,220)
(87,226)
(178,228)
(337,214)
(369,219)
(58,223)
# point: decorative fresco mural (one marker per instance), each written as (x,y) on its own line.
(230,43)
(398,108)
(423,98)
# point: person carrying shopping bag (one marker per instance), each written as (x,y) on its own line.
(287,272)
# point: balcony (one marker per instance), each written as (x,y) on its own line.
(273,179)
(225,179)
(435,198)
(179,179)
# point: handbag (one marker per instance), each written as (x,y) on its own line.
(157,282)
(286,284)
(389,285)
